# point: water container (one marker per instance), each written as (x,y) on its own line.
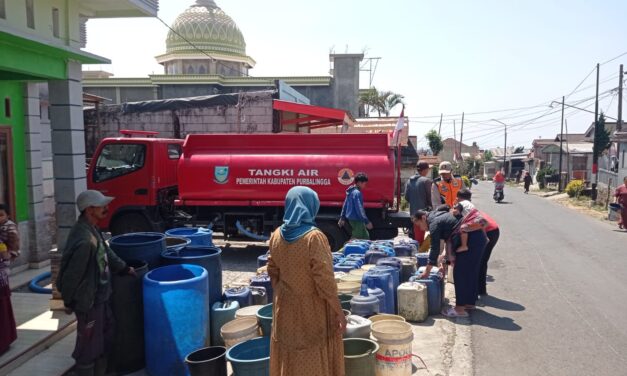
(367,267)
(423,258)
(377,293)
(176,243)
(408,268)
(221,313)
(385,316)
(412,301)
(176,316)
(434,270)
(384,281)
(356,246)
(434,295)
(260,296)
(127,304)
(395,273)
(613,212)
(404,250)
(394,357)
(338,276)
(239,330)
(349,288)
(198,235)
(337,257)
(262,260)
(436,275)
(387,243)
(250,358)
(360,356)
(364,305)
(358,259)
(391,261)
(147,246)
(351,278)
(206,256)
(242,294)
(263,280)
(374,255)
(249,311)
(346,266)
(358,272)
(345,301)
(264,318)
(207,361)
(357,327)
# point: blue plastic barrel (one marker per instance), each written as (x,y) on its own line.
(263,280)
(356,246)
(434,292)
(383,280)
(176,317)
(396,280)
(241,294)
(262,260)
(422,258)
(198,235)
(206,256)
(221,313)
(250,358)
(146,246)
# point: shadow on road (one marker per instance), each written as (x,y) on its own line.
(483,318)
(505,305)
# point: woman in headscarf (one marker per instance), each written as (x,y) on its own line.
(308,321)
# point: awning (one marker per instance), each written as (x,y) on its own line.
(303,115)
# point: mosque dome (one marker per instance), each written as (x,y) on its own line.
(207,27)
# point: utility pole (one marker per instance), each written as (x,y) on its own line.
(595,152)
(504,146)
(559,184)
(619,123)
(454,140)
(461,137)
(440,128)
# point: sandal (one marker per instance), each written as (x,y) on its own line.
(451,312)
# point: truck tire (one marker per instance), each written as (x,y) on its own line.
(335,235)
(130,222)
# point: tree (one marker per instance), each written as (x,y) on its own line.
(435,142)
(369,100)
(520,149)
(388,100)
(379,101)
(601,137)
(487,156)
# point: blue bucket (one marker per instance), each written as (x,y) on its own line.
(264,317)
(198,235)
(251,358)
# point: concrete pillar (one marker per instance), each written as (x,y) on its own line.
(346,81)
(39,233)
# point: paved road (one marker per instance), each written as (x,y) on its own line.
(557,301)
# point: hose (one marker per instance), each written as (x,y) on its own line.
(35,287)
(245,232)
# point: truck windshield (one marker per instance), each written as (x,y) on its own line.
(118,160)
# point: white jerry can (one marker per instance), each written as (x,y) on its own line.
(412,301)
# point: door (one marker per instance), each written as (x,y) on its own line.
(7,186)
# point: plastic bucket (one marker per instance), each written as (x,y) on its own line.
(207,361)
(385,316)
(249,311)
(221,313)
(250,358)
(613,212)
(147,246)
(239,330)
(395,353)
(206,256)
(360,356)
(198,235)
(176,317)
(264,318)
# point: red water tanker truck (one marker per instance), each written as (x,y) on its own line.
(236,183)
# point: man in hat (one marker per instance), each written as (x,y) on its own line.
(418,194)
(447,184)
(84,281)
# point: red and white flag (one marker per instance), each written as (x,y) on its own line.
(396,136)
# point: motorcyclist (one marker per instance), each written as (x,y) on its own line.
(499,183)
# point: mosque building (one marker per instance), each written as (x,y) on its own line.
(205,54)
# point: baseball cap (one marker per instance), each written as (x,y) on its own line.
(422,166)
(445,167)
(91,197)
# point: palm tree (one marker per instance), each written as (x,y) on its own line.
(369,100)
(389,100)
(379,101)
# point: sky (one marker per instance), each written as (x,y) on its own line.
(445,57)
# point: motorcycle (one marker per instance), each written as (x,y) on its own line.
(498,193)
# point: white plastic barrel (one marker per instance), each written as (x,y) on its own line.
(394,355)
(239,330)
(412,301)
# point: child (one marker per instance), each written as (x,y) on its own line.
(471,219)
(9,246)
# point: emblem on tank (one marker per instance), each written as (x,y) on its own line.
(346,176)
(221,174)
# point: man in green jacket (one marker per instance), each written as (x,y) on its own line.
(84,281)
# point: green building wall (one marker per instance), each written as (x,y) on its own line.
(14,90)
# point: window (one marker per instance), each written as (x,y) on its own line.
(117,160)
(3,13)
(174,151)
(30,14)
(190,70)
(7,107)
(7,196)
(202,70)
(55,22)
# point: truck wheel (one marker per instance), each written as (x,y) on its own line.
(130,222)
(335,235)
